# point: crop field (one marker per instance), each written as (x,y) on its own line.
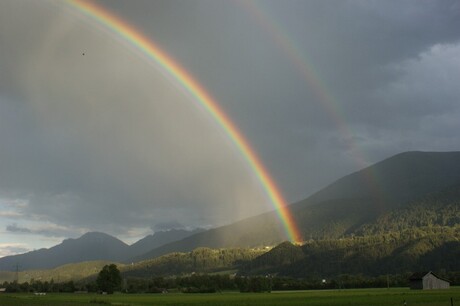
(364,297)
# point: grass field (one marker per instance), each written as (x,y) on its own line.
(364,297)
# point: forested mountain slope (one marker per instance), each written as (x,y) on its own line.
(344,207)
(408,204)
(423,236)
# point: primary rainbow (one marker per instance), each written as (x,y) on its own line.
(149,48)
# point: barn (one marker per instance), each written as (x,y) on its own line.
(427,281)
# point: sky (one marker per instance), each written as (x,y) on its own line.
(95,136)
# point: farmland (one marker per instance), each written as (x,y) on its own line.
(356,297)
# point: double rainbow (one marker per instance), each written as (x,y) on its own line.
(149,48)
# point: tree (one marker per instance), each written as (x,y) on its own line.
(109,279)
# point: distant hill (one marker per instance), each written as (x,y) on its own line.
(90,246)
(340,209)
(158,239)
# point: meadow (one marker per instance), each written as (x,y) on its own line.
(355,297)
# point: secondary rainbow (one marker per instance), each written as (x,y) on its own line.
(149,48)
(302,64)
(305,66)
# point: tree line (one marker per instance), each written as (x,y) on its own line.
(206,283)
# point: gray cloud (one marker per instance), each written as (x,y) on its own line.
(164,226)
(47,231)
(351,48)
(107,141)
(16,229)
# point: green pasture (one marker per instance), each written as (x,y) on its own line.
(364,297)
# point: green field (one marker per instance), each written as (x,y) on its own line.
(364,297)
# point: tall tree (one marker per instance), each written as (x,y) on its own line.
(109,279)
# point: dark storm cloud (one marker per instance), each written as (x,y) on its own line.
(107,142)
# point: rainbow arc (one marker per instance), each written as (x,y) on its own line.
(154,53)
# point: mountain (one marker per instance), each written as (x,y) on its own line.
(395,180)
(91,246)
(158,239)
(341,208)
(362,204)
(360,198)
(424,235)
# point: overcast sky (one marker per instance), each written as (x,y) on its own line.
(94,136)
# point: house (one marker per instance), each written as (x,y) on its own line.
(2,290)
(427,281)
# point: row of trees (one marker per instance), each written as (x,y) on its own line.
(109,281)
(39,286)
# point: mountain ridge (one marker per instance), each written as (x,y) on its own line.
(393,173)
(91,246)
(338,210)
(343,206)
